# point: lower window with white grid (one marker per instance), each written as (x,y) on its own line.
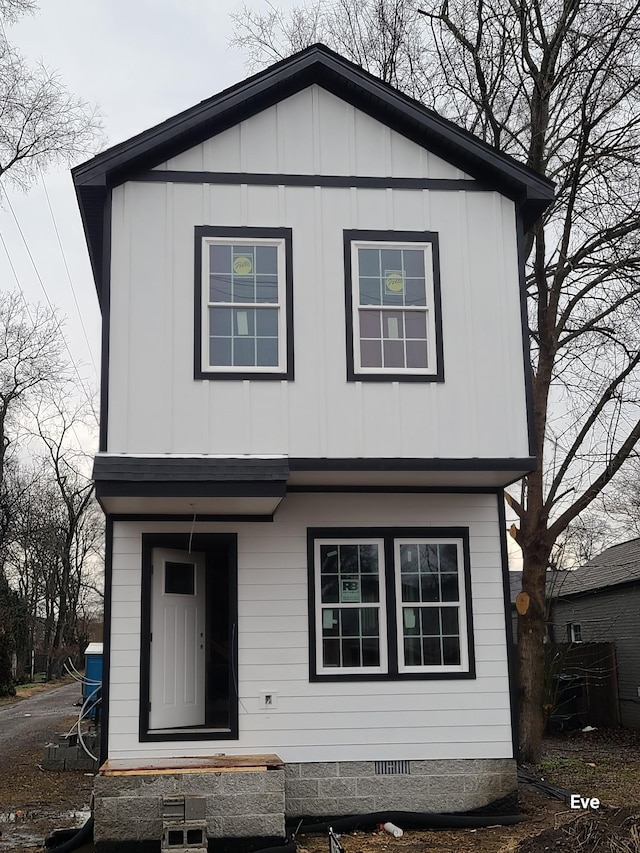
(391,605)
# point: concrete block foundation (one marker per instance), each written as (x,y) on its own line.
(329,789)
(131,805)
(252,802)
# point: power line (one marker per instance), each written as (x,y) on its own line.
(15,275)
(49,303)
(66,266)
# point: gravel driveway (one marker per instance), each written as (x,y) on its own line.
(34,721)
(35,801)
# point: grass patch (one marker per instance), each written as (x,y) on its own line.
(558,764)
(23,691)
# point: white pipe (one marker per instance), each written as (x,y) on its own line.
(392,829)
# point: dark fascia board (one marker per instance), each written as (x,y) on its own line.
(316,64)
(208,470)
(187,489)
(130,476)
(398,464)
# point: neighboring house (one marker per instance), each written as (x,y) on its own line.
(600,603)
(315,387)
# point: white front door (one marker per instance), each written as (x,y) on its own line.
(177,665)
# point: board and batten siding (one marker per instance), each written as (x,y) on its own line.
(313,133)
(609,616)
(378,720)
(156,406)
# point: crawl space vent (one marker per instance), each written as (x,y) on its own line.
(392,768)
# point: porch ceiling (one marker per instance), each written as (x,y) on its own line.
(188,485)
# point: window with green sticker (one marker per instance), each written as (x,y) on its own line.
(393,605)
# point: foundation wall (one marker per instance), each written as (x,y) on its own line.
(254,804)
(354,787)
(238,805)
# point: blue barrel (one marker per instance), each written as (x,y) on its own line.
(93,676)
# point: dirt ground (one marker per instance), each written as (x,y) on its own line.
(603,764)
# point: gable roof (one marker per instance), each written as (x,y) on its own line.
(617,565)
(314,65)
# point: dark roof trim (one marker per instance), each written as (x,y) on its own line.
(189,489)
(275,179)
(188,470)
(316,64)
(396,464)
(604,587)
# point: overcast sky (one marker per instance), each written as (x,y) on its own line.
(140,62)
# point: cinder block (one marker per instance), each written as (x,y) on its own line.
(185,837)
(243,783)
(338,787)
(447,784)
(251,804)
(439,767)
(298,788)
(195,808)
(319,770)
(114,786)
(129,830)
(412,786)
(355,805)
(314,806)
(139,808)
(214,826)
(249,825)
(273,780)
(64,752)
(105,809)
(292,771)
(356,768)
(82,762)
(374,786)
(53,764)
(199,784)
(158,785)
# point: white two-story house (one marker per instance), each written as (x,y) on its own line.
(315,387)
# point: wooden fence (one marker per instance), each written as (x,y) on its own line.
(581,685)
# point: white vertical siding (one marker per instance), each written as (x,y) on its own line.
(324,721)
(313,132)
(156,406)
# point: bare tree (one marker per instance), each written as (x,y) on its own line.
(555,83)
(51,549)
(11,10)
(31,359)
(386,37)
(76,520)
(40,121)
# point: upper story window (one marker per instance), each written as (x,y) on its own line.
(394,328)
(244,303)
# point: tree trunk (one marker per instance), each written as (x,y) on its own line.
(531,626)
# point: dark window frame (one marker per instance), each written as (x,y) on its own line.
(574,630)
(389,535)
(243,233)
(203,542)
(382,237)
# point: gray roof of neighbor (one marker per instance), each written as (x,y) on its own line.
(617,565)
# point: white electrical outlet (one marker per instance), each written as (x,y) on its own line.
(268,700)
